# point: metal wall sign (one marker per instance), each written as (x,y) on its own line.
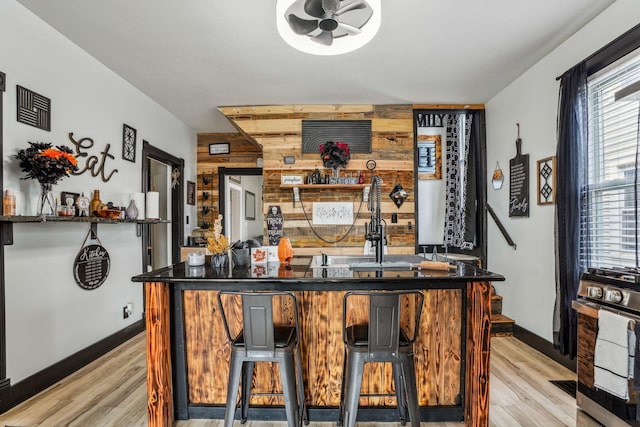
(519,182)
(91,266)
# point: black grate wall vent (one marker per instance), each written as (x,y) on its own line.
(356,133)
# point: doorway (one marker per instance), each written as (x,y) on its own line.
(161,242)
(235,187)
(233,213)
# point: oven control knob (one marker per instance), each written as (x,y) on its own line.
(612,295)
(594,292)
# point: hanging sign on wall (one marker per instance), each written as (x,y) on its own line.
(519,182)
(91,266)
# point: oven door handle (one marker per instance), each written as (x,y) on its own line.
(591,309)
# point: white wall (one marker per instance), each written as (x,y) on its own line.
(48,316)
(531,100)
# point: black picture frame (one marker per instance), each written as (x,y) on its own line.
(129,135)
(249,205)
(191,193)
(33,109)
(219,148)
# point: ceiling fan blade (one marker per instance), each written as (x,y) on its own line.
(302,26)
(349,28)
(314,8)
(358,4)
(325,38)
(330,6)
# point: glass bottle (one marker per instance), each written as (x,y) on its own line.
(8,203)
(95,203)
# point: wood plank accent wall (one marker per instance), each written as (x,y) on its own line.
(438,352)
(277,129)
(243,154)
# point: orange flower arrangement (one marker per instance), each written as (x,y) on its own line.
(48,165)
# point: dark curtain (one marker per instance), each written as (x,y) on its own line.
(457,160)
(572,140)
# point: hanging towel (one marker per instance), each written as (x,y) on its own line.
(612,354)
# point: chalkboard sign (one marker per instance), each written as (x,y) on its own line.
(519,183)
(274,225)
(91,266)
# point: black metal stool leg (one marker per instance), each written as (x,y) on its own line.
(409,374)
(247,377)
(235,371)
(398,381)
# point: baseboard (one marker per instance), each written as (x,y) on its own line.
(30,386)
(543,346)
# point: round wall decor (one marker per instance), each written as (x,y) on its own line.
(91,266)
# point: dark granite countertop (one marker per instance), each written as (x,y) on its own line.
(305,273)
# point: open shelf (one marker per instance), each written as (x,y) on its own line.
(90,219)
(326,186)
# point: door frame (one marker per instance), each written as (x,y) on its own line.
(177,201)
(222,175)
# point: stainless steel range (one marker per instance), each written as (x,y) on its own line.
(616,290)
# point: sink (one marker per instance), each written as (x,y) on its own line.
(365,262)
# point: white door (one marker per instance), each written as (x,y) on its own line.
(233,222)
(160,244)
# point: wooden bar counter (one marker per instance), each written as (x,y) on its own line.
(188,352)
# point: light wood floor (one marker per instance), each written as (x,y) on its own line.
(112,392)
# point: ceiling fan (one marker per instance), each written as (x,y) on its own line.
(325,20)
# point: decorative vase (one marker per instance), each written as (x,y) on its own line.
(285,250)
(219,260)
(46,202)
(336,172)
(132,210)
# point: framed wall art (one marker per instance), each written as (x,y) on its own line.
(33,108)
(249,205)
(220,148)
(191,193)
(547,181)
(129,143)
(429,157)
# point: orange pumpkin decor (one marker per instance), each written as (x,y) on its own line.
(285,250)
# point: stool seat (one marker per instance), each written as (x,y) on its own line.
(382,339)
(283,336)
(358,336)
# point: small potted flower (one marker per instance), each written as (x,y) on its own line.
(48,165)
(218,245)
(334,155)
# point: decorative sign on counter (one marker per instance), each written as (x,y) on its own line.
(519,182)
(274,225)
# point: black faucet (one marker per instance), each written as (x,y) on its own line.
(375,230)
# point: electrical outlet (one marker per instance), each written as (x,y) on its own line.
(127,310)
(365,194)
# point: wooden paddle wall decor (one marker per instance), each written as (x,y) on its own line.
(278,130)
(519,182)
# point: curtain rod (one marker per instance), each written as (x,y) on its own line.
(611,52)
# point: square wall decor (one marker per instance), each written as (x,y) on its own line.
(33,109)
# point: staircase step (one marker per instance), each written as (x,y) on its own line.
(501,325)
(496,304)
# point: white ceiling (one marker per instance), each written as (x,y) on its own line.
(192,56)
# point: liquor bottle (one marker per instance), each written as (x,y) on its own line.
(8,203)
(95,203)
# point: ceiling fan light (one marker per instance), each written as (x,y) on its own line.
(354,39)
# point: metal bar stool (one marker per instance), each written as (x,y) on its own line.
(260,340)
(381,340)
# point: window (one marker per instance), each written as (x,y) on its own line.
(610,204)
